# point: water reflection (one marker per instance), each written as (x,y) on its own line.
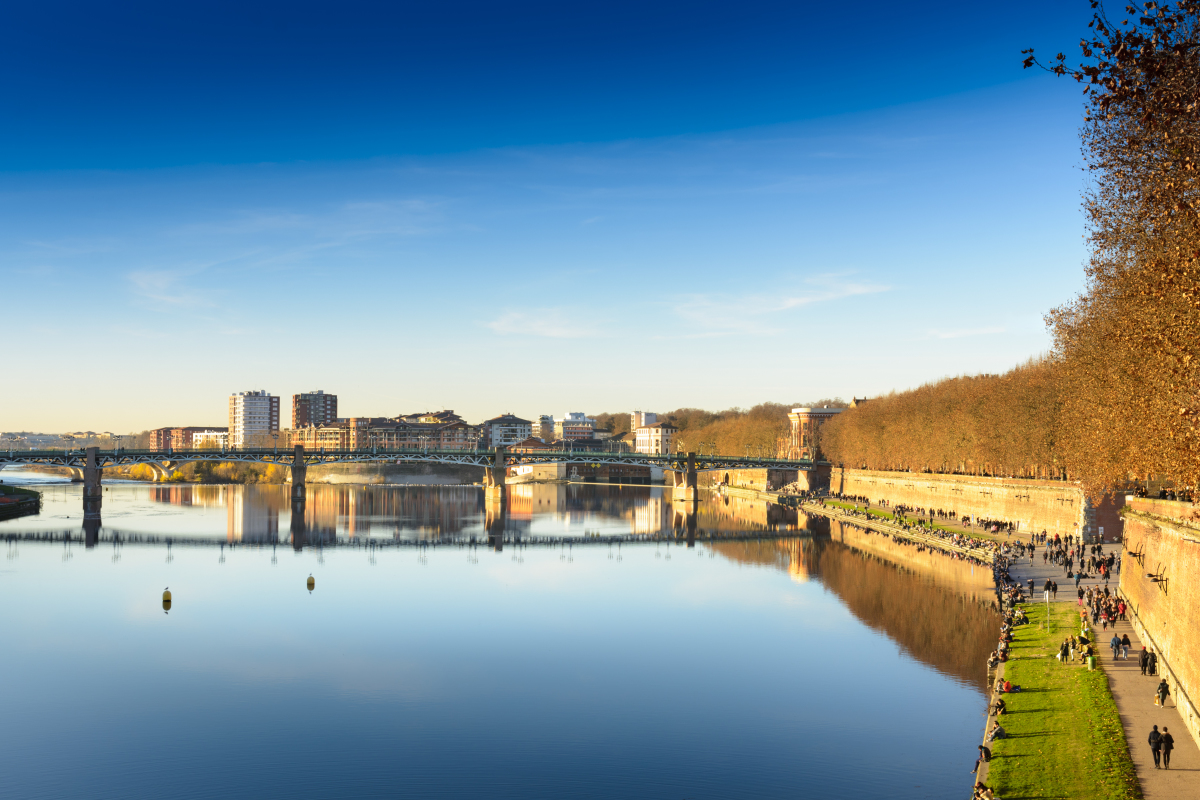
(938,610)
(558,649)
(258,513)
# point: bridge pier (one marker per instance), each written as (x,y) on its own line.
(93,493)
(685,481)
(299,499)
(299,472)
(494,476)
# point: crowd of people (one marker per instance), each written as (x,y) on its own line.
(980,551)
(1010,594)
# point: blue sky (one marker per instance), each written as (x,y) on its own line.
(527,207)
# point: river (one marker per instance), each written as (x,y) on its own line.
(798,665)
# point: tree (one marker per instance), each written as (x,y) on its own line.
(1129,346)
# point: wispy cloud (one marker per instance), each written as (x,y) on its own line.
(961,333)
(757,313)
(167,287)
(553,323)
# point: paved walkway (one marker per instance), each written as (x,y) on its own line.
(1134,694)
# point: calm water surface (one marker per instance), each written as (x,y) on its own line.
(796,667)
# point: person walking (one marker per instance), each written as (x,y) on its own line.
(1115,644)
(1144,660)
(1156,745)
(1125,645)
(1152,668)
(1168,744)
(1162,692)
(1053,590)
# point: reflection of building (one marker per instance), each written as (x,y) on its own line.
(656,438)
(253,416)
(651,514)
(506,430)
(805,441)
(189,495)
(314,408)
(251,518)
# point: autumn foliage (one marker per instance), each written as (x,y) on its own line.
(984,424)
(1129,346)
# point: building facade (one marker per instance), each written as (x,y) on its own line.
(506,431)
(253,419)
(640,419)
(575,425)
(314,408)
(805,440)
(543,428)
(182,438)
(657,438)
(438,430)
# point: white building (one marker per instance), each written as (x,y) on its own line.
(506,430)
(639,418)
(253,417)
(658,438)
(214,439)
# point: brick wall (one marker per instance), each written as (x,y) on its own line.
(1037,505)
(1166,535)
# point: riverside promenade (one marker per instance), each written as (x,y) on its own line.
(1133,692)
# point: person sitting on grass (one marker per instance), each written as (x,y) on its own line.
(996,732)
(1000,707)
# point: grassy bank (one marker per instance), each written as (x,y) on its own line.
(1065,736)
(17,491)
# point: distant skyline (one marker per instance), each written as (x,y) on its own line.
(527,208)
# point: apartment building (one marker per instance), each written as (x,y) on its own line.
(575,425)
(543,428)
(182,438)
(314,408)
(431,430)
(253,418)
(506,431)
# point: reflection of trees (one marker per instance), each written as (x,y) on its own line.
(950,630)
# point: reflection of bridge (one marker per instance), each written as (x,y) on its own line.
(95,535)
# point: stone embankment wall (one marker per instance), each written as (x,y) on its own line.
(1036,505)
(1162,537)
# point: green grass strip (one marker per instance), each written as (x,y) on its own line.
(1065,735)
(17,490)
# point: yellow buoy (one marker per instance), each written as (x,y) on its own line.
(311,583)
(167,596)
(166,605)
